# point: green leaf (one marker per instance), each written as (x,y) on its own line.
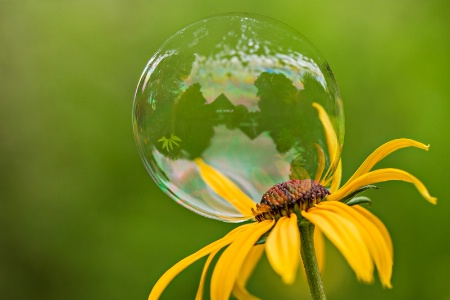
(166,142)
(359,200)
(175,138)
(357,192)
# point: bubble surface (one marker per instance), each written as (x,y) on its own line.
(234,94)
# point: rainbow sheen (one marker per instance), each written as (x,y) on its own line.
(235,90)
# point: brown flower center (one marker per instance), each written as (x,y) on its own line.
(284,198)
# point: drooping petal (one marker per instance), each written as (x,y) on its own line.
(320,163)
(319,246)
(201,286)
(382,175)
(330,135)
(168,276)
(283,248)
(275,246)
(383,151)
(234,232)
(373,238)
(377,222)
(253,257)
(346,237)
(225,188)
(337,177)
(332,141)
(230,262)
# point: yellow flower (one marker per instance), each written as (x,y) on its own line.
(359,235)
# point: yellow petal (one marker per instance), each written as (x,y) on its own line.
(283,248)
(346,237)
(168,276)
(382,175)
(385,275)
(373,238)
(319,246)
(230,262)
(320,163)
(378,223)
(383,151)
(201,286)
(275,246)
(225,188)
(337,177)
(253,257)
(332,141)
(330,135)
(234,232)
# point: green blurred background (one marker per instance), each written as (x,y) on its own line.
(81,219)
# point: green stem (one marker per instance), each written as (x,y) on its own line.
(310,261)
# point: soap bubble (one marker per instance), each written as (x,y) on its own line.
(234,94)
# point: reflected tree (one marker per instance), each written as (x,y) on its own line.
(285,113)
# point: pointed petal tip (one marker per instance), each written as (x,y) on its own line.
(417,144)
(288,280)
(387,285)
(432,200)
(368,278)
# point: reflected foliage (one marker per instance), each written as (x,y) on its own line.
(284,112)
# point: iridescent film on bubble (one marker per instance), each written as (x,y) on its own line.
(235,91)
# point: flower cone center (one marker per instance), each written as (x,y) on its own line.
(289,197)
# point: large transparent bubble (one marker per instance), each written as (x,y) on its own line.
(232,96)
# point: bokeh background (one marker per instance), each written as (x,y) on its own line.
(81,219)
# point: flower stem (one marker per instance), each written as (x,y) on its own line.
(310,261)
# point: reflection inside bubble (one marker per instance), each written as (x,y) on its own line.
(236,92)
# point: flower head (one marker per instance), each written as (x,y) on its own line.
(336,212)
